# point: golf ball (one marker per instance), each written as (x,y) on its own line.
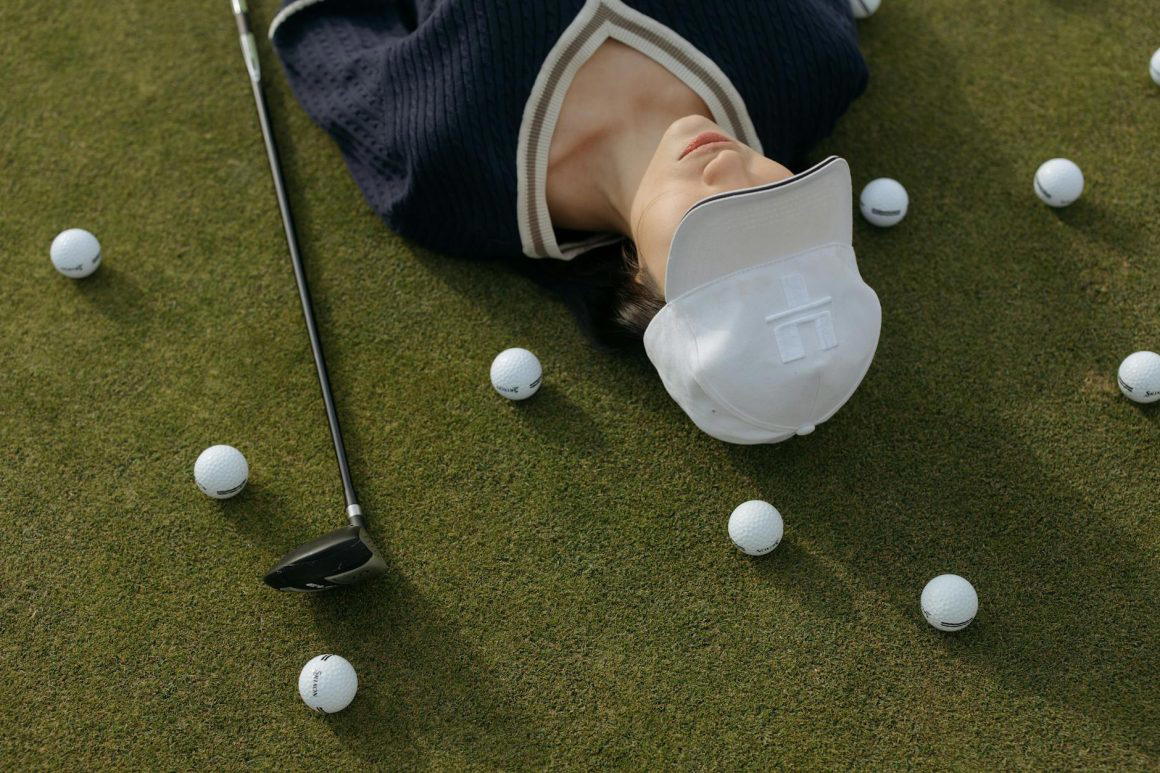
(75,253)
(755,527)
(1154,67)
(328,683)
(884,202)
(221,471)
(1058,182)
(516,374)
(1139,377)
(949,602)
(864,8)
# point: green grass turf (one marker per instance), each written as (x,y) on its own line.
(562,589)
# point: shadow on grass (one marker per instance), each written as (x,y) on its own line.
(1149,412)
(813,583)
(559,422)
(115,294)
(1082,6)
(262,515)
(1062,613)
(930,459)
(627,375)
(1115,229)
(423,698)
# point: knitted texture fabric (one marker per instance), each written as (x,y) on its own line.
(425,97)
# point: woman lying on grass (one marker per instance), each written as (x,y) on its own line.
(636,157)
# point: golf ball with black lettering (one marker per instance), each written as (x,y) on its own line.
(1139,377)
(756,527)
(864,8)
(221,472)
(1058,182)
(949,602)
(328,683)
(75,253)
(516,374)
(884,202)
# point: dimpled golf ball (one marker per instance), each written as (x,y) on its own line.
(1139,377)
(516,374)
(75,253)
(221,472)
(864,8)
(1058,182)
(1154,67)
(328,683)
(949,602)
(884,202)
(755,527)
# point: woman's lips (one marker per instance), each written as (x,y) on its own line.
(702,139)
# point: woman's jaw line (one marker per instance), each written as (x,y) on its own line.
(628,165)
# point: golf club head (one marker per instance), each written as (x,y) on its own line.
(344,556)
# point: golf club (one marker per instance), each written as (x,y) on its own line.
(346,555)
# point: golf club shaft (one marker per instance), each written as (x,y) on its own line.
(250,53)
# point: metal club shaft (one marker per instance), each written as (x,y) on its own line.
(253,66)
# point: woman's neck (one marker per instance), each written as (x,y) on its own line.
(615,111)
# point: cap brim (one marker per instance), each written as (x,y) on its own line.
(731,231)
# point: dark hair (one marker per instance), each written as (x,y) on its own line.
(600,288)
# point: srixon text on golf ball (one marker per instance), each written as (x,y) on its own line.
(1139,377)
(327,683)
(516,374)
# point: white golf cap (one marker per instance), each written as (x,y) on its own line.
(768,327)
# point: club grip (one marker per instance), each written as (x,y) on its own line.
(246,38)
(250,54)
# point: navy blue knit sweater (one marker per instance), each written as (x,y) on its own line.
(426,97)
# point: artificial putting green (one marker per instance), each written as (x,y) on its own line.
(562,591)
